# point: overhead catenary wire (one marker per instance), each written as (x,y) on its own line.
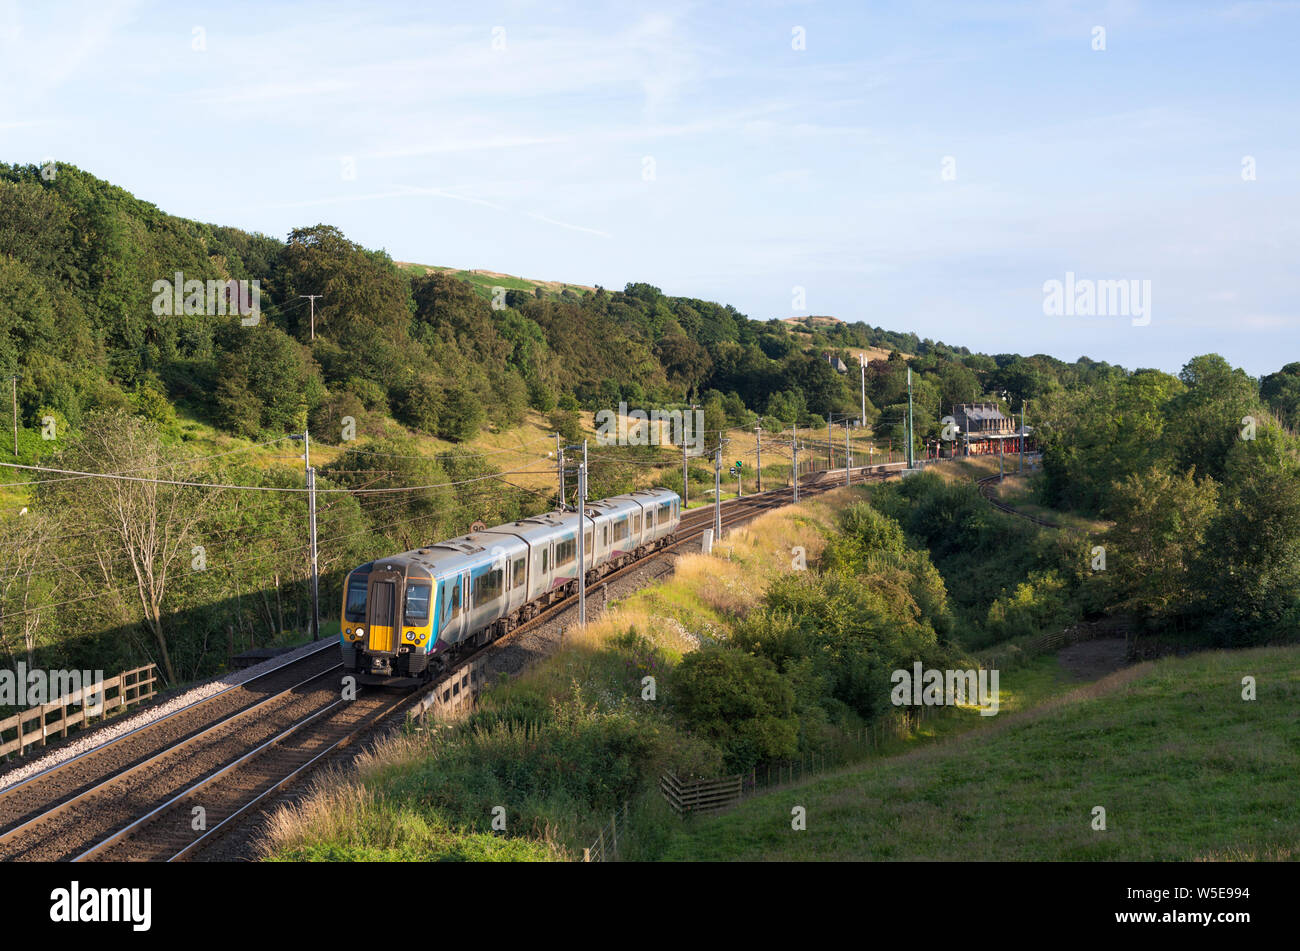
(161,465)
(272,488)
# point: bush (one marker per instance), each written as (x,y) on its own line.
(739,701)
(565,422)
(1036,606)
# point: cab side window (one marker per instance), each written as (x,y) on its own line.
(417,603)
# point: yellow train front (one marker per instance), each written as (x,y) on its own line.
(389,609)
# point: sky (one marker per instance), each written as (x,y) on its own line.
(928,167)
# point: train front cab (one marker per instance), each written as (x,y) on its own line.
(388,614)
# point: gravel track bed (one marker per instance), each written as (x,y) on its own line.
(166,835)
(85,740)
(100,762)
(100,814)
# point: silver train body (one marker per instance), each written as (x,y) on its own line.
(405,615)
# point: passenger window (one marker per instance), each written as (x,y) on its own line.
(636,524)
(586,541)
(487,587)
(546,552)
(519,572)
(455,598)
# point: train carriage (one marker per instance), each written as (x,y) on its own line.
(405,614)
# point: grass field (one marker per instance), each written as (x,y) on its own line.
(1184,767)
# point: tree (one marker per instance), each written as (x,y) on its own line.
(1202,422)
(1161,520)
(1250,565)
(1281,390)
(137,532)
(27,585)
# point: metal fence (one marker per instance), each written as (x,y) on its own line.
(605,848)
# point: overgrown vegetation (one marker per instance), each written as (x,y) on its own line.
(788,662)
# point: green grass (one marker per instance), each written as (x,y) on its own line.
(1184,768)
(484,283)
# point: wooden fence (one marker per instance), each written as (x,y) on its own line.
(703,796)
(33,727)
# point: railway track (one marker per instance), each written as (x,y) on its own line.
(81,820)
(172,788)
(51,788)
(986,490)
(195,816)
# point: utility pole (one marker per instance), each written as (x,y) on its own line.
(911,436)
(14,380)
(1022,437)
(686,478)
(758,449)
(311,527)
(794,448)
(312,298)
(847,470)
(582,534)
(862,360)
(717,493)
(559,468)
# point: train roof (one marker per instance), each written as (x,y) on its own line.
(471,548)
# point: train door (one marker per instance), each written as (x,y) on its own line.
(451,595)
(381,608)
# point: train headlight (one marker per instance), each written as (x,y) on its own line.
(360,632)
(410,635)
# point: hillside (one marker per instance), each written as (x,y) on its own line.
(130,355)
(1185,769)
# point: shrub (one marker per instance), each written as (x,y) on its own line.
(739,701)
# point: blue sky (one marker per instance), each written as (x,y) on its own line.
(773,167)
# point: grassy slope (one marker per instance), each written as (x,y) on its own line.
(1016,490)
(484,281)
(1184,767)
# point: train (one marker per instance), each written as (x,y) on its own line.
(407,616)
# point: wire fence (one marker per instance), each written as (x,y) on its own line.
(605,847)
